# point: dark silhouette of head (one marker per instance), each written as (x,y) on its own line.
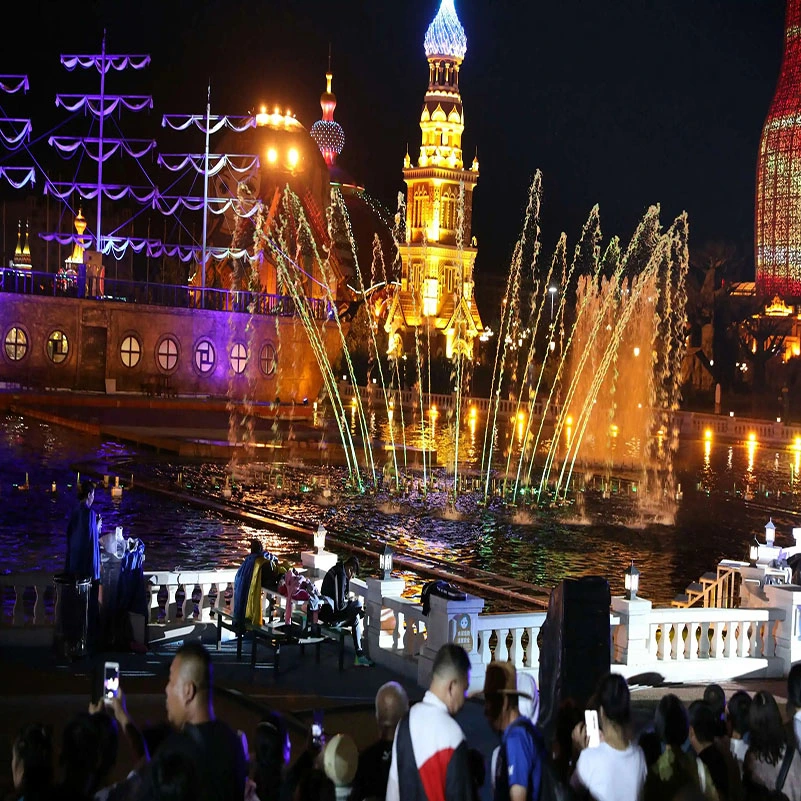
(794,687)
(671,721)
(32,762)
(768,737)
(614,699)
(737,712)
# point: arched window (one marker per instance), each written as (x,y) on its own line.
(57,347)
(167,354)
(130,351)
(16,344)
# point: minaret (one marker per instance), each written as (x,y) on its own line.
(22,253)
(78,248)
(437,260)
(327,133)
(778,201)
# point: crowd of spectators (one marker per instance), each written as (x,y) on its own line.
(716,749)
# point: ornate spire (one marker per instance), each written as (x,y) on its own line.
(328,134)
(445,35)
(78,248)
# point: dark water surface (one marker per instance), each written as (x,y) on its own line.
(713,520)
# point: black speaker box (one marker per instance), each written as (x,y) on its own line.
(575,650)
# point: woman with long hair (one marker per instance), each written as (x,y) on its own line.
(768,747)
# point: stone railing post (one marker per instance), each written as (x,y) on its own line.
(632,638)
(377,590)
(787,630)
(456,622)
(317,564)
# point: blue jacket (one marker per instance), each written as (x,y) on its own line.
(83,545)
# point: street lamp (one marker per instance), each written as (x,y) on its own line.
(753,552)
(385,563)
(552,290)
(770,533)
(631,580)
(319,538)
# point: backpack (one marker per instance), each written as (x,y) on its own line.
(443,589)
(551,788)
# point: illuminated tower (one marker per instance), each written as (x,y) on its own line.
(778,192)
(328,133)
(437,259)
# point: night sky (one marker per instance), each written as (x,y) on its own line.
(623,102)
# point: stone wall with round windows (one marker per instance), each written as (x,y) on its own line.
(58,342)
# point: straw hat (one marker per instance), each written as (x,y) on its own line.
(502,679)
(340,759)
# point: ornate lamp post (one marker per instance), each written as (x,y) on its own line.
(631,580)
(319,538)
(385,563)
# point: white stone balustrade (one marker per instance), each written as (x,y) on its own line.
(694,644)
(514,637)
(22,614)
(699,644)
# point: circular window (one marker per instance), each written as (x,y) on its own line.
(130,351)
(16,344)
(204,356)
(239,357)
(58,347)
(267,359)
(167,354)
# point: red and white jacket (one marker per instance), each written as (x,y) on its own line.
(429,756)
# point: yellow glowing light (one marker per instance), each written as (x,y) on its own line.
(798,443)
(433,411)
(293,157)
(569,421)
(636,351)
(708,434)
(521,417)
(752,437)
(353,401)
(272,155)
(613,430)
(473,412)
(707,452)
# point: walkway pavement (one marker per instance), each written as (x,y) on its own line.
(35,688)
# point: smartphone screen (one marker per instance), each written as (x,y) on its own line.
(111,680)
(593,730)
(317,728)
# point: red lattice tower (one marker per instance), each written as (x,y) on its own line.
(778,185)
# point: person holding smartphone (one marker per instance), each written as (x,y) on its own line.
(613,770)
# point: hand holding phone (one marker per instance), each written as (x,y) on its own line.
(111,680)
(592,728)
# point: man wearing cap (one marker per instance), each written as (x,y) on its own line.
(429,754)
(338,608)
(518,772)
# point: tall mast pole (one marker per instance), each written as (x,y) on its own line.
(205,200)
(100,145)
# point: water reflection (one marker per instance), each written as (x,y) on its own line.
(599,536)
